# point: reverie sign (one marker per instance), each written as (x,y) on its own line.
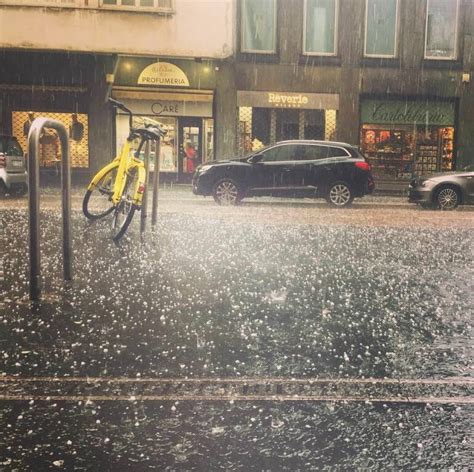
(407,112)
(318,101)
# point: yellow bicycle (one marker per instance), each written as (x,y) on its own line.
(119,187)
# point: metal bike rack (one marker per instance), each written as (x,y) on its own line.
(144,212)
(155,183)
(33,200)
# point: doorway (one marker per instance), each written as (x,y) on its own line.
(190,147)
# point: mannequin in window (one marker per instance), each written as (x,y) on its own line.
(76,130)
(27,123)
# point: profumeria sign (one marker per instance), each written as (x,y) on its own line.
(163,73)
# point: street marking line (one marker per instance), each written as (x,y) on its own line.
(454,390)
(232,398)
(249,380)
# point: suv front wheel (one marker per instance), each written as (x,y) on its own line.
(339,195)
(227,192)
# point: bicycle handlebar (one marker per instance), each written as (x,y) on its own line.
(122,107)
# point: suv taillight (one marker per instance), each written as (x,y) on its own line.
(363,165)
(3,160)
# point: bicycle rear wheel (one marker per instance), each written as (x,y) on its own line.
(97,202)
(125,209)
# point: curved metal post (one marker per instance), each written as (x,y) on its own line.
(144,213)
(33,200)
(156,184)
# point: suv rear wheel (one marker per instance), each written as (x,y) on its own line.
(339,195)
(227,192)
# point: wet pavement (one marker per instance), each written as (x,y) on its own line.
(273,289)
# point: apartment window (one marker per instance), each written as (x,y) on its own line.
(441,29)
(258,26)
(165,6)
(320,27)
(381,26)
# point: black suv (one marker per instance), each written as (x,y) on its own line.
(335,171)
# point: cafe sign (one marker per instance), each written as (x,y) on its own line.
(163,73)
(407,112)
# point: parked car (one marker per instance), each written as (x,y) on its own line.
(335,171)
(443,190)
(13,175)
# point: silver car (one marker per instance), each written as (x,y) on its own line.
(13,175)
(444,190)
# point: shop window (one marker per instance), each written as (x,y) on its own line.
(258,26)
(168,145)
(262,126)
(320,27)
(287,124)
(441,29)
(402,151)
(381,28)
(159,6)
(50,146)
(208,139)
(314,124)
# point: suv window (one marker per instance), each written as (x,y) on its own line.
(286,152)
(314,152)
(10,147)
(337,152)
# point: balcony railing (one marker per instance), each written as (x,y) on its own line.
(154,6)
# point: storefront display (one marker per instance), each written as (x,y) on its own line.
(174,94)
(397,149)
(168,148)
(50,147)
(269,117)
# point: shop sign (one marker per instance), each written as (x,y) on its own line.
(160,107)
(308,101)
(407,112)
(163,73)
(287,101)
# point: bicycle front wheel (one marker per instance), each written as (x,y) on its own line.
(125,209)
(97,202)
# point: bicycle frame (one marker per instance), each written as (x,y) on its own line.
(125,162)
(120,185)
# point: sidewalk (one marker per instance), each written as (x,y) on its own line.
(170,191)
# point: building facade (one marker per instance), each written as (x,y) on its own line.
(228,76)
(394,76)
(154,55)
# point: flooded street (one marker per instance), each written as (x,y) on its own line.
(270,290)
